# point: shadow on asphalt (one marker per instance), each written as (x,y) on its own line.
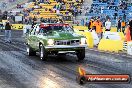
(67,59)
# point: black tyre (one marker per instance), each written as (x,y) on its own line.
(80,54)
(42,52)
(30,51)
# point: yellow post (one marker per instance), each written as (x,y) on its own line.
(90,40)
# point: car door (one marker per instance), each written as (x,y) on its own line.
(33,37)
(39,35)
(36,38)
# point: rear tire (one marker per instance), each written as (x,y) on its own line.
(80,54)
(43,53)
(30,51)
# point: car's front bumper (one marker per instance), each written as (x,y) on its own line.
(65,47)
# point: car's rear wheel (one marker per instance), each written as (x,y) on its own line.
(80,54)
(30,51)
(42,52)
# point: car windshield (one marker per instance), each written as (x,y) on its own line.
(56,27)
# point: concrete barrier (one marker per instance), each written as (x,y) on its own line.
(90,40)
(113,29)
(114,35)
(110,45)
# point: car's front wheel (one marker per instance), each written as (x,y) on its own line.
(80,54)
(30,51)
(42,52)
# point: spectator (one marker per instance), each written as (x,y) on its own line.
(77,23)
(124,17)
(102,9)
(115,16)
(60,21)
(119,25)
(130,27)
(123,24)
(38,13)
(8,32)
(108,25)
(82,22)
(34,19)
(33,23)
(58,12)
(99,27)
(80,12)
(86,23)
(128,31)
(90,25)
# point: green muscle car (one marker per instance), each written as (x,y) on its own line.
(54,38)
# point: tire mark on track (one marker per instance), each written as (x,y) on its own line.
(10,79)
(119,70)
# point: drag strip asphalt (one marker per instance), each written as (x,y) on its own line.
(17,70)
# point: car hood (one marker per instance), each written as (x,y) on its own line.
(64,35)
